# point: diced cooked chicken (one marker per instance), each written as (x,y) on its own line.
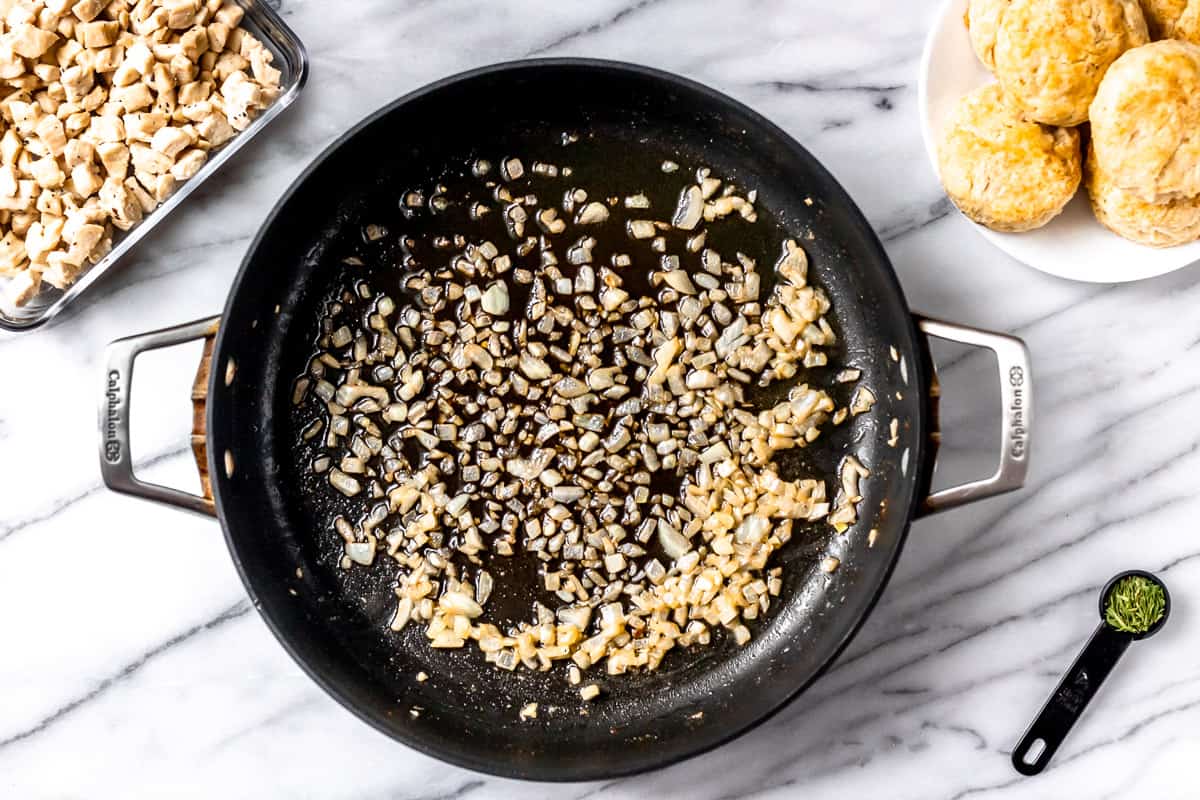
(67,52)
(43,237)
(8,181)
(49,203)
(194,92)
(30,41)
(196,112)
(161,79)
(94,35)
(180,13)
(50,130)
(194,43)
(22,200)
(47,173)
(77,82)
(19,13)
(229,14)
(25,116)
(10,146)
(85,180)
(56,7)
(12,254)
(94,99)
(218,36)
(134,97)
(122,207)
(87,10)
(77,123)
(47,102)
(170,141)
(227,64)
(188,164)
(146,159)
(182,69)
(106,59)
(107,128)
(23,220)
(141,127)
(86,239)
(11,65)
(144,198)
(59,272)
(260,67)
(79,218)
(216,129)
(115,158)
(155,19)
(24,285)
(47,73)
(79,151)
(109,105)
(164,186)
(138,61)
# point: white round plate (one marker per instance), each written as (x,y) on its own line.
(1074,245)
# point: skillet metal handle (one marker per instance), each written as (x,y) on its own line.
(1016,413)
(116,464)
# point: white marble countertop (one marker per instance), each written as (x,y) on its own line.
(131,664)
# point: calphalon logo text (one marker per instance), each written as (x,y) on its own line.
(1016,413)
(112,444)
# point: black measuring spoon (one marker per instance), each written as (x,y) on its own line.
(1081,682)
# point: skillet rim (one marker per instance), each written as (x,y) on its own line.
(917,482)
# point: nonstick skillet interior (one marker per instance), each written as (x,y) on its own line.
(277,520)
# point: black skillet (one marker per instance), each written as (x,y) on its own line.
(276,523)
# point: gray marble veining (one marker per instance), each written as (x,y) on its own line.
(133,666)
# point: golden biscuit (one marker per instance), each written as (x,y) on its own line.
(1051,54)
(1173,19)
(1146,121)
(1003,171)
(983,20)
(1166,224)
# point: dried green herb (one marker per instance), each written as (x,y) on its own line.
(1134,605)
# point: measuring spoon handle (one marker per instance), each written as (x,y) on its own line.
(1066,705)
